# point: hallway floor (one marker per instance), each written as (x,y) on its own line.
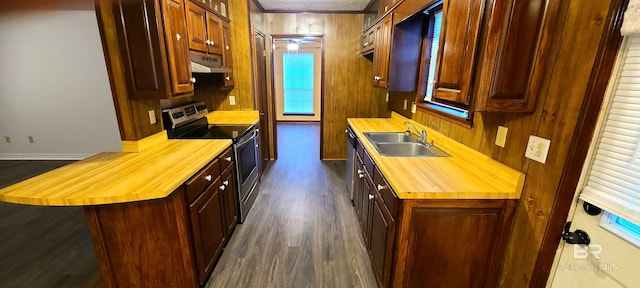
(302,231)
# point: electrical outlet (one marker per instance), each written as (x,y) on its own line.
(537,149)
(404,107)
(387,98)
(7,139)
(152,116)
(413,108)
(232,100)
(30,138)
(501,136)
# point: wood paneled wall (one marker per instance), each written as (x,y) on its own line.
(347,88)
(579,27)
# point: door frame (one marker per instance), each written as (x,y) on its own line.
(587,121)
(319,37)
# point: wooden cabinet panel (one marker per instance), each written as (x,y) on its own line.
(367,208)
(436,235)
(214,34)
(513,63)
(458,45)
(208,229)
(382,239)
(227,56)
(202,180)
(177,47)
(230,198)
(359,188)
(197,23)
(144,243)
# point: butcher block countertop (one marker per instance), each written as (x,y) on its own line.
(158,168)
(467,174)
(233,117)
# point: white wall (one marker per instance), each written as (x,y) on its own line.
(54,86)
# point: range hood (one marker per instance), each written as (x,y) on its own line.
(207,64)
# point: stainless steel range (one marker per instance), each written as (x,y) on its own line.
(190,122)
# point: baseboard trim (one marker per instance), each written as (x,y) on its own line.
(44,156)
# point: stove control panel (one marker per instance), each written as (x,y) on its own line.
(184,114)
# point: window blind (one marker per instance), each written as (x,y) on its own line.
(613,180)
(433,54)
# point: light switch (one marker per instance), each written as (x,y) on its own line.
(232,100)
(413,108)
(537,149)
(404,107)
(501,136)
(152,116)
(387,98)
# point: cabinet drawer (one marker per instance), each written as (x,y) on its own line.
(226,158)
(386,192)
(201,180)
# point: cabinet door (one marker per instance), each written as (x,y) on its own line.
(513,64)
(382,237)
(214,32)
(177,47)
(381,52)
(461,21)
(227,56)
(207,228)
(367,208)
(197,23)
(358,190)
(230,198)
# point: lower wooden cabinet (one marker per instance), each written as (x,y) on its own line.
(208,229)
(430,242)
(169,242)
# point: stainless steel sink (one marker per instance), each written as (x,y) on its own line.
(409,149)
(377,137)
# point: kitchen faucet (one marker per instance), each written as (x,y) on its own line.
(423,133)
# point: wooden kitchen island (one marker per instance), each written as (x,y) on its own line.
(140,207)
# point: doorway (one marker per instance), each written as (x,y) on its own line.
(298,78)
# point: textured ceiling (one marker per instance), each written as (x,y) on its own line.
(314,5)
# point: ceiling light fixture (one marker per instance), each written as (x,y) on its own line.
(292,46)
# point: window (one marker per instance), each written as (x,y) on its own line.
(298,83)
(613,178)
(431,45)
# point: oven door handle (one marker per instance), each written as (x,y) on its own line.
(248,140)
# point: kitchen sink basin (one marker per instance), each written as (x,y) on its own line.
(377,137)
(409,149)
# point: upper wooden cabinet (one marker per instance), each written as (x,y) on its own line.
(515,56)
(382,49)
(491,54)
(220,7)
(205,30)
(458,45)
(151,36)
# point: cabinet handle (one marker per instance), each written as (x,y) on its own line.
(178,37)
(222,187)
(227,78)
(377,78)
(193,80)
(227,47)
(366,43)
(226,182)
(213,43)
(361,175)
(371,197)
(208,42)
(208,178)
(380,187)
(228,159)
(360,171)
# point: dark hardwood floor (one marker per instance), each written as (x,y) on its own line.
(43,246)
(301,232)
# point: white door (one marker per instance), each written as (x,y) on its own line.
(612,259)
(298,80)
